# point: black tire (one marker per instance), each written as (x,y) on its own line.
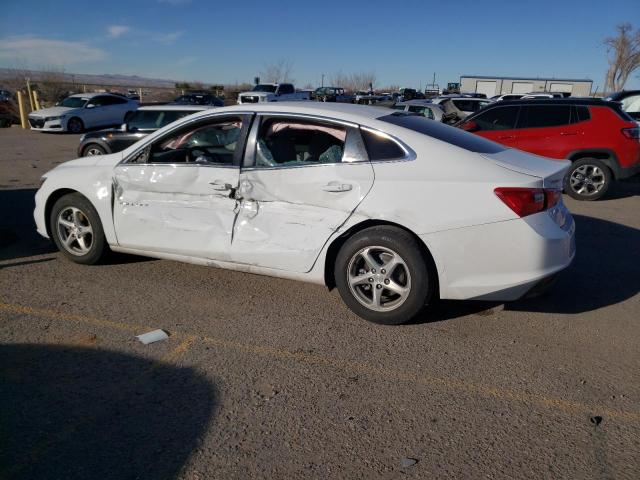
(93,149)
(584,177)
(421,279)
(75,125)
(95,242)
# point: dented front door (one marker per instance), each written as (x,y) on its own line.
(185,209)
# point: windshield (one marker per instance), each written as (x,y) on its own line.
(264,88)
(74,102)
(443,132)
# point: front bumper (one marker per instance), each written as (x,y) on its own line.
(43,125)
(502,261)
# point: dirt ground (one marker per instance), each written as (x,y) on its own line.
(268,378)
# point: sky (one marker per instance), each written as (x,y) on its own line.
(403,42)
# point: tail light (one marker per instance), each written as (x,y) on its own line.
(632,133)
(527,201)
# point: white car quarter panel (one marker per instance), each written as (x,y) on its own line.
(287,214)
(175,208)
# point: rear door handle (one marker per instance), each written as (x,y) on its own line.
(220,185)
(566,134)
(337,187)
(506,137)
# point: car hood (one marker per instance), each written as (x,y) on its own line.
(51,112)
(552,171)
(101,133)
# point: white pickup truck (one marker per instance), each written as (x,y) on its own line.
(272,92)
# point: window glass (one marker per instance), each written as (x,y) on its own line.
(97,101)
(113,101)
(379,147)
(501,118)
(286,88)
(209,143)
(533,116)
(399,107)
(154,119)
(74,102)
(468,105)
(580,114)
(445,133)
(631,104)
(424,111)
(293,141)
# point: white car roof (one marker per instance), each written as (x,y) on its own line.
(179,108)
(343,111)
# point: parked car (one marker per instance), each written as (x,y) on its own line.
(198,98)
(272,92)
(85,110)
(5,95)
(392,209)
(630,100)
(144,121)
(422,107)
(600,140)
(459,107)
(365,97)
(332,94)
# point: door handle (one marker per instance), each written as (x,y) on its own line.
(220,185)
(566,134)
(337,187)
(506,137)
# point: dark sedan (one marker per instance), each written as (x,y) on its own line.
(143,122)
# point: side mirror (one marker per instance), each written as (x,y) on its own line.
(469,126)
(124,127)
(90,105)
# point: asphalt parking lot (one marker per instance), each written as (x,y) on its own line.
(268,378)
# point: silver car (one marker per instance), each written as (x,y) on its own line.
(422,107)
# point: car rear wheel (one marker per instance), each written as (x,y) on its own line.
(587,179)
(93,149)
(76,229)
(75,125)
(383,275)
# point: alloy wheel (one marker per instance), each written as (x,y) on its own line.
(587,180)
(379,278)
(75,231)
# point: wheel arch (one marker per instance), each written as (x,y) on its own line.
(605,155)
(337,243)
(97,141)
(76,117)
(51,201)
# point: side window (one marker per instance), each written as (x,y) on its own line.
(286,88)
(424,111)
(534,116)
(631,104)
(501,118)
(580,114)
(99,101)
(381,147)
(213,142)
(284,142)
(115,101)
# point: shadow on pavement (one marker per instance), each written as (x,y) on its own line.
(84,413)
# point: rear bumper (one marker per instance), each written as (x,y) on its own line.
(502,261)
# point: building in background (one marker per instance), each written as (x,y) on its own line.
(492,86)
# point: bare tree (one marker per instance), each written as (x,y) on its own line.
(279,71)
(624,56)
(354,81)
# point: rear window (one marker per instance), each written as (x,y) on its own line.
(498,118)
(380,147)
(580,114)
(445,133)
(534,116)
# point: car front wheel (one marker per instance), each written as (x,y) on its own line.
(383,275)
(76,229)
(75,125)
(587,179)
(93,149)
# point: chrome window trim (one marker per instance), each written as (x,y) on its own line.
(204,118)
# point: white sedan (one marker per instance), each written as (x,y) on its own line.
(85,110)
(392,209)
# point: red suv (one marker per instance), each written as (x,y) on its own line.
(602,142)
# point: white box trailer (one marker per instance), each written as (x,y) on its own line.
(492,86)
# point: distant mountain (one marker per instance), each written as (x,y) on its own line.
(89,79)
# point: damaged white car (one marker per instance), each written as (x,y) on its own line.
(392,209)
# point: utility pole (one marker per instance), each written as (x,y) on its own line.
(322,81)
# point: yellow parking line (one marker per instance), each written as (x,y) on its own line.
(355,367)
